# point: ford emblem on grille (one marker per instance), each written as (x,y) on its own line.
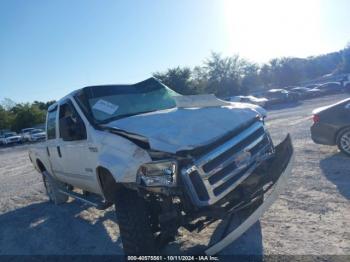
(242,159)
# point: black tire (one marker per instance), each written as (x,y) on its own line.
(134,223)
(343,141)
(52,187)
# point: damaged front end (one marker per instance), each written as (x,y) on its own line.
(241,174)
(244,188)
(260,189)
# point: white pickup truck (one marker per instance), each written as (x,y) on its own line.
(165,160)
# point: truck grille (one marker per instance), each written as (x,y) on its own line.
(217,172)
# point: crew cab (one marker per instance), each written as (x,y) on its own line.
(165,160)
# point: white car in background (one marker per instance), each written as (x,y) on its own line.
(2,140)
(12,138)
(37,135)
(25,133)
(260,101)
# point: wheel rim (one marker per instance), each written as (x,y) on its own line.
(345,142)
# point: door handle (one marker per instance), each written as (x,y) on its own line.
(47,151)
(59,151)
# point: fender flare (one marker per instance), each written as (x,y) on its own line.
(107,183)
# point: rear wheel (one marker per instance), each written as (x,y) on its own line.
(343,141)
(53,187)
(134,223)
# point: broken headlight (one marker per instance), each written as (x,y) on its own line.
(158,173)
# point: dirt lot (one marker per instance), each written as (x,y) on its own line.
(312,216)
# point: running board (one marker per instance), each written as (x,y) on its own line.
(80,197)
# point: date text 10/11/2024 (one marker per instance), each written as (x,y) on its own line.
(172,258)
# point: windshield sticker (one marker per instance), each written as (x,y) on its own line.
(105,107)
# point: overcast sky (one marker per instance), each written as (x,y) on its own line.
(49,48)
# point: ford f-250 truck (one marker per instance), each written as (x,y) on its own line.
(165,160)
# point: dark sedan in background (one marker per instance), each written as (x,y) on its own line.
(305,92)
(331,88)
(332,125)
(278,96)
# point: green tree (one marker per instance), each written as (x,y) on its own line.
(43,105)
(6,118)
(178,79)
(250,78)
(27,115)
(224,74)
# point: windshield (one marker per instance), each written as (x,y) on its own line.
(9,135)
(107,103)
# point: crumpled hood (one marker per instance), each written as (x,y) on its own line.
(180,129)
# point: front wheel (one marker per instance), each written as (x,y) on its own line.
(53,187)
(134,223)
(343,141)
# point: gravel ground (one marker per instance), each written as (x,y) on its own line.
(312,216)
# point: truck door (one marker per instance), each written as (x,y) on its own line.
(51,143)
(78,160)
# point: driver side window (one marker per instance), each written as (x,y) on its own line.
(71,126)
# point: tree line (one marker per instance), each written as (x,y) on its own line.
(223,76)
(16,116)
(227,76)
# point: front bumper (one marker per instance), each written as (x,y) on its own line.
(277,174)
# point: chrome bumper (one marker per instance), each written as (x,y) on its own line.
(284,152)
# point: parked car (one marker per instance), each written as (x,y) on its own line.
(260,101)
(332,125)
(345,82)
(304,92)
(12,138)
(37,135)
(25,134)
(2,140)
(315,92)
(165,160)
(293,96)
(233,99)
(277,96)
(311,86)
(330,88)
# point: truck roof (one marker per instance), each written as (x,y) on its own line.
(94,88)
